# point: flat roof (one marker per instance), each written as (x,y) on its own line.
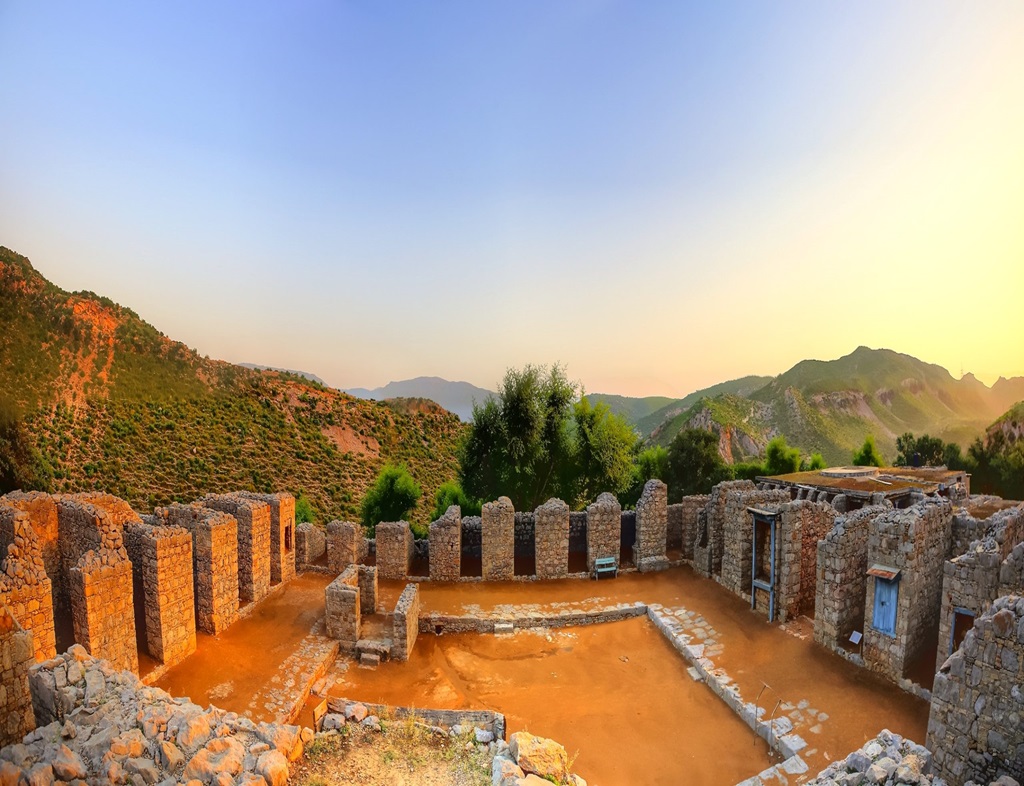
(888,481)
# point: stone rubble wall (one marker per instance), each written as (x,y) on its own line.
(801,525)
(708,547)
(471,537)
(689,509)
(406,623)
(394,549)
(346,545)
(214,562)
(446,546)
(498,540)
(161,560)
(551,533)
(310,543)
(282,534)
(915,541)
(254,542)
(16,656)
(344,608)
(674,529)
(604,529)
(42,512)
(976,724)
(737,528)
(842,563)
(525,534)
(25,587)
(367,589)
(651,527)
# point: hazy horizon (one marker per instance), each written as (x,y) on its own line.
(660,197)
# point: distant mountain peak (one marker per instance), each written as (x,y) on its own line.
(456,397)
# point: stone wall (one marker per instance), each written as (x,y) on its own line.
(708,545)
(688,512)
(498,540)
(446,546)
(16,718)
(42,511)
(651,527)
(842,564)
(916,542)
(254,542)
(975,728)
(310,543)
(214,562)
(162,572)
(282,534)
(367,589)
(604,529)
(801,525)
(25,587)
(551,535)
(346,545)
(406,623)
(343,609)
(394,549)
(738,535)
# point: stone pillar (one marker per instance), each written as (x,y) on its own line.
(551,538)
(446,546)
(282,534)
(42,512)
(406,623)
(342,613)
(651,528)
(161,560)
(16,718)
(254,543)
(25,586)
(604,526)
(346,545)
(394,549)
(103,609)
(310,543)
(498,540)
(367,589)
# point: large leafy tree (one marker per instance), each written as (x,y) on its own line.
(927,451)
(391,497)
(694,463)
(780,458)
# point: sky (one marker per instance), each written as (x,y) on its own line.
(660,195)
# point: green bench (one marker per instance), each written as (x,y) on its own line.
(606,566)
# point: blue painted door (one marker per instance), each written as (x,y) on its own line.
(886,595)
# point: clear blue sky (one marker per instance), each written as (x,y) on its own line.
(660,195)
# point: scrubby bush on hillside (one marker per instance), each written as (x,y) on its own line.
(392,496)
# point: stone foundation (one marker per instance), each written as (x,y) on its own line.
(25,587)
(310,544)
(498,540)
(254,542)
(343,609)
(394,549)
(651,528)
(446,546)
(282,534)
(406,623)
(346,545)
(604,529)
(551,539)
(16,718)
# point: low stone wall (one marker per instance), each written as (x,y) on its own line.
(651,528)
(343,609)
(282,534)
(16,718)
(491,623)
(498,540)
(394,549)
(25,587)
(405,623)
(604,529)
(310,544)
(253,532)
(161,560)
(346,545)
(551,523)
(482,719)
(446,546)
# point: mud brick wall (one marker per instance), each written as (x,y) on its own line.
(343,612)
(406,623)
(604,528)
(915,541)
(16,717)
(346,545)
(801,525)
(975,731)
(708,544)
(42,511)
(651,527)
(394,549)
(446,546)
(161,560)
(25,587)
(282,534)
(254,542)
(214,562)
(687,512)
(551,538)
(498,540)
(310,543)
(738,535)
(842,564)
(103,608)
(367,589)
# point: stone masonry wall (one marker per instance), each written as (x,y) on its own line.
(343,612)
(161,560)
(551,533)
(604,525)
(842,564)
(42,511)
(689,511)
(915,541)
(674,530)
(708,545)
(214,562)
(254,543)
(25,587)
(346,545)
(16,718)
(367,589)
(406,623)
(282,534)
(310,543)
(651,527)
(446,546)
(801,525)
(737,531)
(498,540)
(394,549)
(976,723)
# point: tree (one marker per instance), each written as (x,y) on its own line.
(304,509)
(694,463)
(650,463)
(450,493)
(390,498)
(868,455)
(780,459)
(815,462)
(924,451)
(602,453)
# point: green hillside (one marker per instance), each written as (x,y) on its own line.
(93,397)
(630,409)
(734,387)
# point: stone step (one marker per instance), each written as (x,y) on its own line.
(369,660)
(379,647)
